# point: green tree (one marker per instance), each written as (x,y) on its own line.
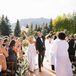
(17,30)
(30,31)
(60,23)
(45,29)
(5,27)
(39,28)
(27,26)
(67,22)
(74,22)
(36,27)
(50,26)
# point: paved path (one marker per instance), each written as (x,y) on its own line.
(46,69)
(44,72)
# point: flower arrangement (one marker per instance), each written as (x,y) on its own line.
(22,67)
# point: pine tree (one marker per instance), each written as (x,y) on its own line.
(8,24)
(5,27)
(35,27)
(31,27)
(17,30)
(27,26)
(50,26)
(45,29)
(39,28)
(30,32)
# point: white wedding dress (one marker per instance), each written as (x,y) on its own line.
(31,56)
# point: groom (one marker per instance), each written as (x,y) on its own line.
(40,47)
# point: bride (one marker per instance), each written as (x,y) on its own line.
(31,53)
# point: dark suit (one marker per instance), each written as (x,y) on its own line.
(40,46)
(71,49)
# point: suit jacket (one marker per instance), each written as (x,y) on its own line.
(40,44)
(71,49)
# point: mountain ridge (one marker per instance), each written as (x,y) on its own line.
(34,21)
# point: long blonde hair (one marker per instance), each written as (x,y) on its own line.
(31,39)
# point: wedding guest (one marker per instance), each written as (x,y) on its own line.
(12,55)
(18,48)
(3,56)
(47,38)
(71,49)
(0,69)
(62,62)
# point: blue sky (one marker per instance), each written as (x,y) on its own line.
(20,9)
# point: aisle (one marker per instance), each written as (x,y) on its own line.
(46,69)
(44,72)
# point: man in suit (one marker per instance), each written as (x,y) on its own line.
(40,47)
(71,49)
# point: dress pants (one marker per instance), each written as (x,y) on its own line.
(41,58)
